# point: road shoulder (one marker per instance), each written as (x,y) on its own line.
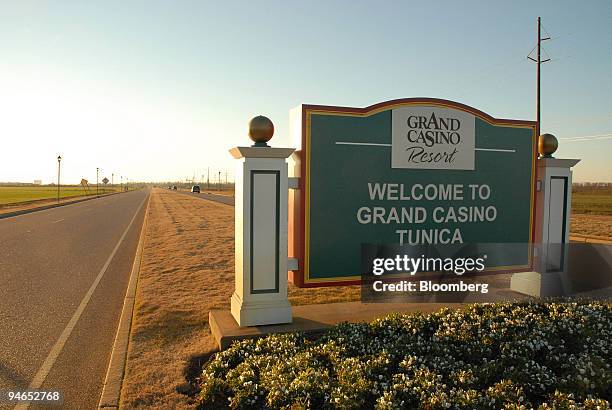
(111,390)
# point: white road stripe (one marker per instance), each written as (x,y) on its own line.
(388,145)
(44,370)
(59,220)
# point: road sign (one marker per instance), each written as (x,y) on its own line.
(411,171)
(105,181)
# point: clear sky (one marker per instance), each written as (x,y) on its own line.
(160,90)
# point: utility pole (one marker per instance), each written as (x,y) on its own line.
(538,62)
(219,180)
(97,171)
(59,160)
(208,180)
(112,179)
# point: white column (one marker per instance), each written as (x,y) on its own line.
(260,297)
(552,226)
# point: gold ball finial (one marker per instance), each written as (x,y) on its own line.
(261,130)
(547,145)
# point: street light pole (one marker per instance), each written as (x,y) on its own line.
(59,160)
(97,191)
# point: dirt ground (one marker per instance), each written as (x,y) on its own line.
(187,270)
(592,225)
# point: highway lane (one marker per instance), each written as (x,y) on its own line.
(49,260)
(224,199)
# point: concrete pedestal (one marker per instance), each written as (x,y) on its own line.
(537,284)
(314,319)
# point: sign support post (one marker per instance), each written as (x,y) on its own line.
(552,225)
(261,198)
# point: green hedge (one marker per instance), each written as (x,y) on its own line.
(545,355)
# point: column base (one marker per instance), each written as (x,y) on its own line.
(260,313)
(537,284)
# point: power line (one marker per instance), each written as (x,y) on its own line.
(589,137)
(546,31)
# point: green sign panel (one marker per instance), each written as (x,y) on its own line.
(412,171)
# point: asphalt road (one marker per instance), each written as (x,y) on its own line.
(50,263)
(224,199)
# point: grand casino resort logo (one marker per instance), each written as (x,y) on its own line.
(432,138)
(427,132)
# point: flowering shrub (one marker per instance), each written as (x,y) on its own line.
(488,356)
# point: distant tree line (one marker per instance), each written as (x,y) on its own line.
(593,187)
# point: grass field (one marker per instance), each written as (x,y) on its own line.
(592,211)
(20,194)
(592,200)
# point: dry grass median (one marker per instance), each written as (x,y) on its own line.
(187,270)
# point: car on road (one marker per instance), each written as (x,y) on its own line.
(195,189)
(174,187)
